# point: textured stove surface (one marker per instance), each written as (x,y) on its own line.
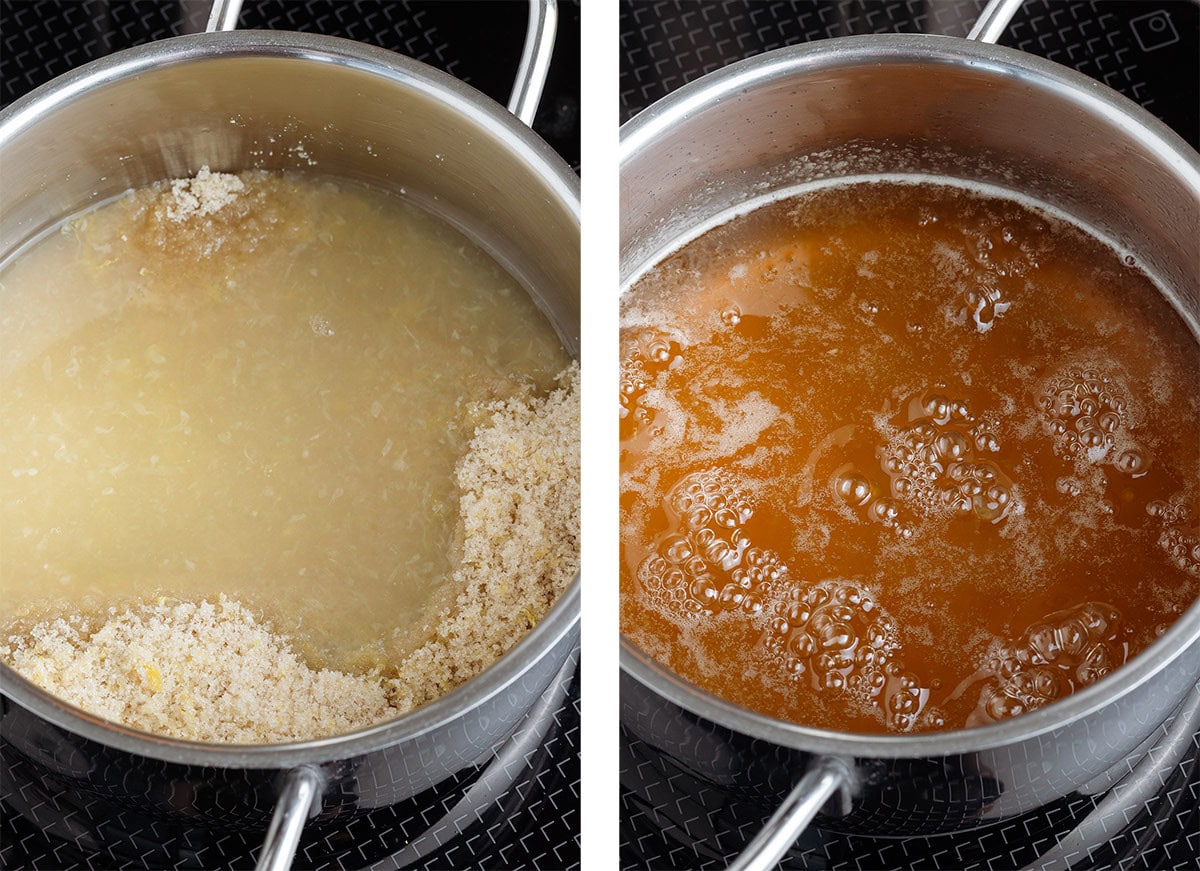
(535,823)
(1147,50)
(672,819)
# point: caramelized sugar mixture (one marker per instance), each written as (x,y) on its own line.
(904,456)
(256,387)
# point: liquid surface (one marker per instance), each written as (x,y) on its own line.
(261,394)
(903,457)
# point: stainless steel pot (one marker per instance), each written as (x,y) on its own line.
(273,100)
(941,107)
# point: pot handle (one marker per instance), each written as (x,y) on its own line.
(535,60)
(531,73)
(825,777)
(299,799)
(993,20)
(223,15)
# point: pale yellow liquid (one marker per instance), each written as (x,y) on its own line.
(268,403)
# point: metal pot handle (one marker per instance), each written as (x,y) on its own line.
(993,20)
(531,73)
(535,60)
(223,15)
(299,799)
(825,777)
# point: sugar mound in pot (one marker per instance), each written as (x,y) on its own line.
(212,672)
(198,671)
(202,195)
(520,523)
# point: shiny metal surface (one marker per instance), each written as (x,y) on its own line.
(299,798)
(357,112)
(940,107)
(223,15)
(500,773)
(1130,793)
(994,19)
(290,101)
(535,60)
(825,778)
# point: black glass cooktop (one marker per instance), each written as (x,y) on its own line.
(535,822)
(1149,50)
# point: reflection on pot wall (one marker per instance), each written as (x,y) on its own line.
(914,796)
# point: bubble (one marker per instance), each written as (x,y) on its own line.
(937,407)
(836,632)
(951,446)
(853,488)
(885,511)
(1068,487)
(1056,656)
(1072,636)
(1131,463)
(677,549)
(1182,548)
(703,590)
(933,719)
(1043,641)
(633,384)
(320,325)
(1094,665)
(731,316)
(705,553)
(933,465)
(1085,414)
(726,517)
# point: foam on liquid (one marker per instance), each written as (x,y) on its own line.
(903,456)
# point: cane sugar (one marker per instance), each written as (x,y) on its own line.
(284,399)
(900,455)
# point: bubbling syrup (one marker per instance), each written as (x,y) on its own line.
(901,456)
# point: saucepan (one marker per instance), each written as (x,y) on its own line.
(274,100)
(941,106)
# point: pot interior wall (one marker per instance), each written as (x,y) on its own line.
(237,106)
(870,106)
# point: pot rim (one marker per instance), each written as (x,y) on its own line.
(560,621)
(315,48)
(879,49)
(641,132)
